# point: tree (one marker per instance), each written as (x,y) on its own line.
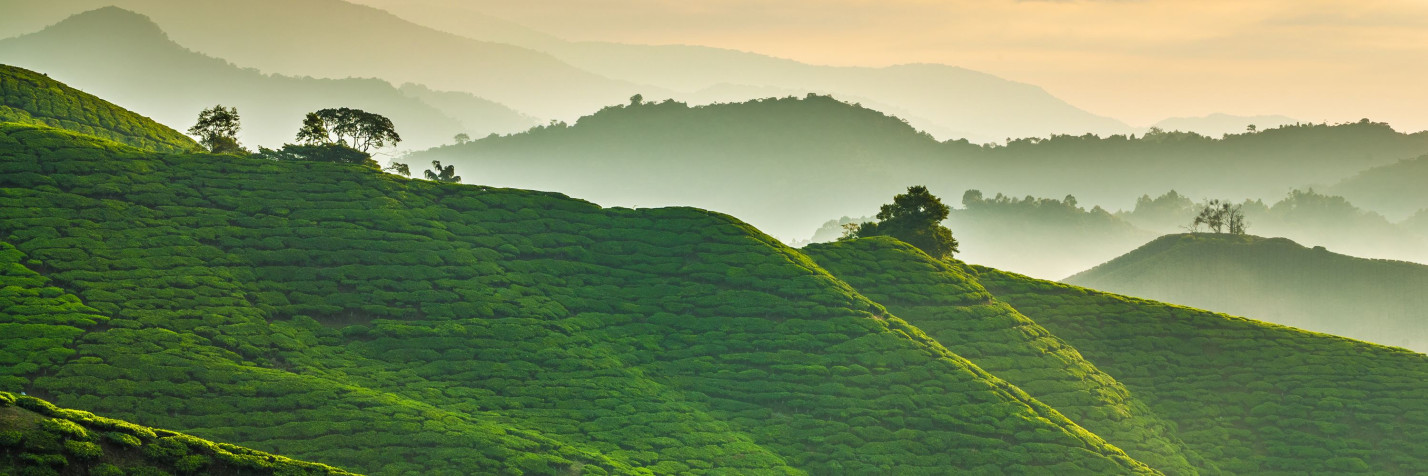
(916,218)
(353,128)
(462,138)
(637,100)
(217,129)
(1217,214)
(442,174)
(399,168)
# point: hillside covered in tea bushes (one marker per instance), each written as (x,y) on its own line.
(336,314)
(39,438)
(33,98)
(1249,396)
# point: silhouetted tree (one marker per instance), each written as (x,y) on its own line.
(462,138)
(399,168)
(637,99)
(217,129)
(916,218)
(353,128)
(442,174)
(1218,214)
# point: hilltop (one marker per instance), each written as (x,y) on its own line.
(1250,396)
(1276,280)
(127,58)
(340,315)
(39,438)
(28,97)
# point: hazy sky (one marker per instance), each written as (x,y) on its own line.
(1136,60)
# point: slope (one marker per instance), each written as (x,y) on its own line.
(1395,190)
(944,300)
(33,98)
(39,438)
(336,39)
(340,315)
(1276,280)
(781,164)
(1251,397)
(125,57)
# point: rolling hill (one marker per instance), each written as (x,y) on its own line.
(1249,396)
(28,97)
(39,438)
(336,39)
(118,54)
(1395,190)
(1279,281)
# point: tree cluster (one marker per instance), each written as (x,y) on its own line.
(914,217)
(353,128)
(1218,215)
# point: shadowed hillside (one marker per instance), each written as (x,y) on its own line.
(1279,281)
(1251,397)
(340,315)
(1395,190)
(39,438)
(32,98)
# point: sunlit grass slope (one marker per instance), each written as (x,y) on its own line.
(32,98)
(1252,397)
(945,300)
(336,314)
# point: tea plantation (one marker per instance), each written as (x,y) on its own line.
(945,300)
(1251,397)
(340,315)
(32,98)
(39,438)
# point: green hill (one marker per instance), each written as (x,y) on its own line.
(336,314)
(1279,281)
(32,98)
(1251,397)
(945,300)
(39,438)
(116,53)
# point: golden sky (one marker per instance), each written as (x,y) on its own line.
(1136,60)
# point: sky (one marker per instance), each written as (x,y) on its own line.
(1136,60)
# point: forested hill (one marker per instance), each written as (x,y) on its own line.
(784,164)
(39,438)
(340,315)
(32,98)
(1276,280)
(1251,397)
(1396,190)
(787,164)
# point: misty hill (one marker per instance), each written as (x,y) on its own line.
(32,98)
(945,300)
(1039,236)
(1216,125)
(337,314)
(39,438)
(117,54)
(783,164)
(1396,190)
(478,117)
(1252,397)
(1279,281)
(947,101)
(337,39)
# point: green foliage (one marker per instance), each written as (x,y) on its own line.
(332,153)
(31,98)
(916,218)
(347,127)
(217,129)
(37,436)
(342,315)
(1251,397)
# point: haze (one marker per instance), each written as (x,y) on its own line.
(1137,61)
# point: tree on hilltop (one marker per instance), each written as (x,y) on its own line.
(353,128)
(1217,215)
(915,218)
(442,174)
(217,129)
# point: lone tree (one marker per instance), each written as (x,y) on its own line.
(462,138)
(353,128)
(1217,215)
(442,174)
(400,169)
(916,218)
(217,129)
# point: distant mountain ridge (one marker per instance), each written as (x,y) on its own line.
(1279,281)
